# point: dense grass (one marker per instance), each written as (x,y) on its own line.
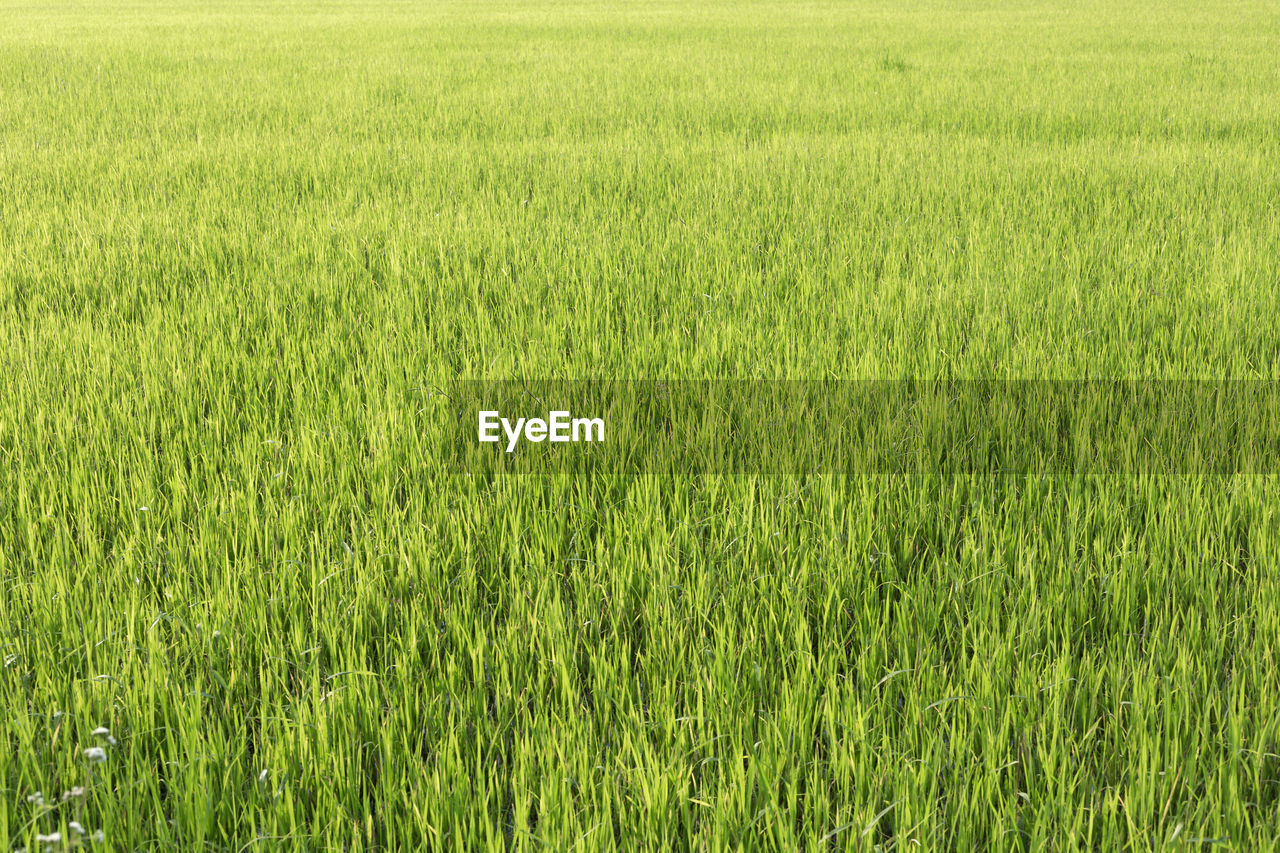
(241,246)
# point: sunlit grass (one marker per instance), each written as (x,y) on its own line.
(242,247)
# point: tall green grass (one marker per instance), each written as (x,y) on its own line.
(243,247)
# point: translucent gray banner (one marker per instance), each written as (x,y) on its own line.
(798,427)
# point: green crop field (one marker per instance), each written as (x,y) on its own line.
(247,603)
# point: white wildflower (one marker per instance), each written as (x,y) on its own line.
(95,754)
(99,836)
(105,733)
(75,827)
(36,799)
(51,838)
(77,791)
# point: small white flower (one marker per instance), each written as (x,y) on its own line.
(75,827)
(77,791)
(51,838)
(143,509)
(36,799)
(95,754)
(105,733)
(99,836)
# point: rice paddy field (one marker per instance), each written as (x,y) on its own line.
(249,602)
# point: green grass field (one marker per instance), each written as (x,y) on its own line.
(242,247)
